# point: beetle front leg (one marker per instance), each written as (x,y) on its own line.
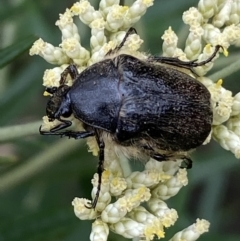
(69,134)
(64,124)
(129,32)
(72,70)
(77,134)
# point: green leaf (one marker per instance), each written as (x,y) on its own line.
(11,52)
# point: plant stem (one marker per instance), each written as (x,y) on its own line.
(13,132)
(37,164)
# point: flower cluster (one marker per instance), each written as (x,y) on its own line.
(119,207)
(125,215)
(212,23)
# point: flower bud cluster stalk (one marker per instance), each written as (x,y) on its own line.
(119,208)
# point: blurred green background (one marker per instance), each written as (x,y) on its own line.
(40,176)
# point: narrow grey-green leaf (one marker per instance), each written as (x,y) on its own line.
(11,52)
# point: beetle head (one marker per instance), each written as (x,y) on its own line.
(59,103)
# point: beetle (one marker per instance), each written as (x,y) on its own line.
(149,106)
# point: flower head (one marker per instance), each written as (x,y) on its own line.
(120,204)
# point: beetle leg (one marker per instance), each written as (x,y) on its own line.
(53,131)
(63,125)
(72,70)
(185,64)
(69,134)
(100,168)
(129,32)
(187,163)
(77,135)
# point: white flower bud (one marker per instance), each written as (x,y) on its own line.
(233,124)
(193,232)
(212,35)
(139,7)
(166,168)
(117,186)
(231,34)
(100,231)
(222,101)
(227,139)
(105,6)
(115,17)
(51,54)
(75,51)
(193,45)
(133,43)
(171,187)
(115,211)
(67,27)
(160,209)
(128,228)
(153,224)
(98,38)
(52,77)
(85,11)
(81,211)
(136,11)
(147,178)
(192,17)
(207,8)
(223,15)
(170,40)
(234,17)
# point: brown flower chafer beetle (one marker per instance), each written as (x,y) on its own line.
(145,106)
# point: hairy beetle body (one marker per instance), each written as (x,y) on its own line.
(147,108)
(137,102)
